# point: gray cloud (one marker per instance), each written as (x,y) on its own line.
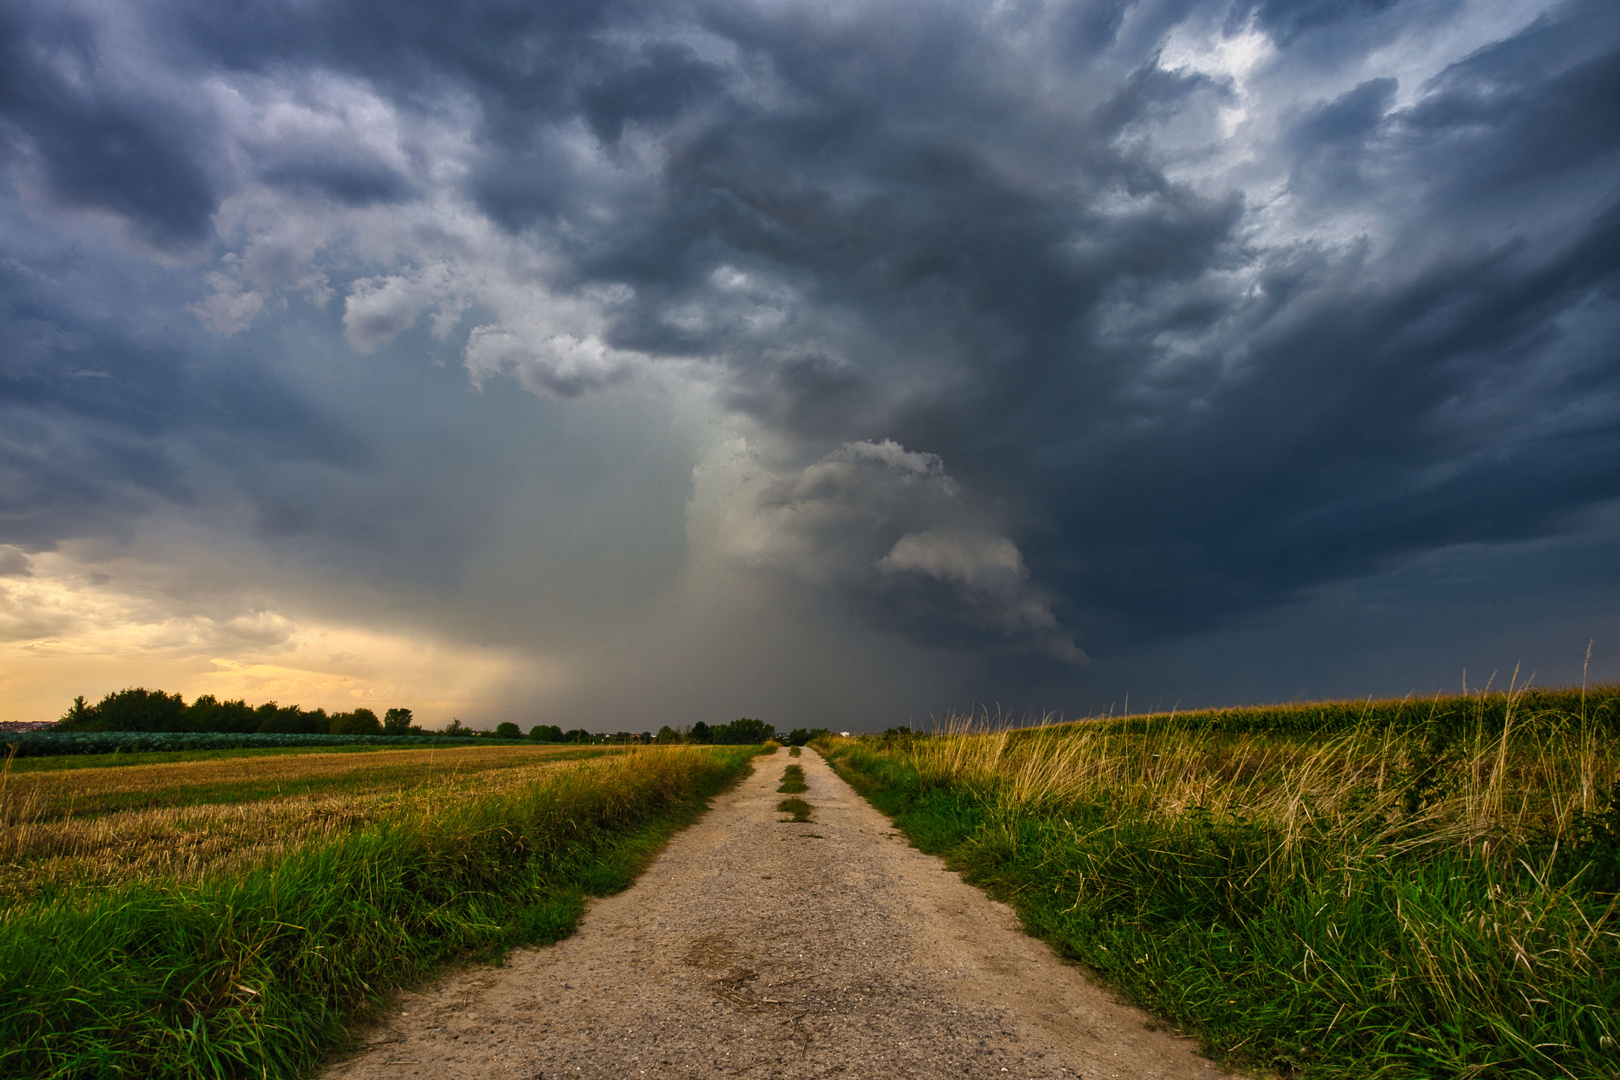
(890,531)
(1209,307)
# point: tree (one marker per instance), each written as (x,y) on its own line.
(135,709)
(667,736)
(290,720)
(701,732)
(397,722)
(456,729)
(508,730)
(208,713)
(77,716)
(743,732)
(359,722)
(548,733)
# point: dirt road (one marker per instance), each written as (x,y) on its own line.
(760,948)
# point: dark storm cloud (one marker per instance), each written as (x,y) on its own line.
(1180,383)
(100,424)
(96,140)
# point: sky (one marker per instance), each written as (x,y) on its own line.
(838,364)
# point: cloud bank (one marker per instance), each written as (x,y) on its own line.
(1051,330)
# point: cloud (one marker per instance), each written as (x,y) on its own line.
(889,531)
(1210,307)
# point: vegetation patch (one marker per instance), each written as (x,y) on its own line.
(795,806)
(1386,898)
(258,971)
(793,781)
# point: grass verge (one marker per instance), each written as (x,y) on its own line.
(258,975)
(1377,901)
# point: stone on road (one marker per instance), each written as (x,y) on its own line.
(762,948)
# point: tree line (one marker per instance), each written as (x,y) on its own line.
(139,709)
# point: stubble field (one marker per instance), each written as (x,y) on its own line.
(232,915)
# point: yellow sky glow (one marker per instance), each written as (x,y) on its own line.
(67,629)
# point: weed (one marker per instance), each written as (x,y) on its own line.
(795,806)
(793,781)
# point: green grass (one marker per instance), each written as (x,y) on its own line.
(794,751)
(793,781)
(1385,900)
(795,806)
(262,974)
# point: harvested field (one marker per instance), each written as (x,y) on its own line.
(238,939)
(34,791)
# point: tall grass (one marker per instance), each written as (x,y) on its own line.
(1379,898)
(257,973)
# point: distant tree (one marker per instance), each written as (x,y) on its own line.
(289,720)
(579,735)
(456,729)
(743,732)
(208,713)
(547,733)
(800,736)
(667,736)
(508,730)
(701,732)
(645,738)
(77,716)
(359,722)
(135,709)
(397,722)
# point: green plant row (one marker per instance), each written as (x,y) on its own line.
(53,743)
(259,976)
(1331,963)
(1432,715)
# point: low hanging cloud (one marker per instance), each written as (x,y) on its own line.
(888,530)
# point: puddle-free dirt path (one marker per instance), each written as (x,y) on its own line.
(762,949)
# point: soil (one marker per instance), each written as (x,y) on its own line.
(757,947)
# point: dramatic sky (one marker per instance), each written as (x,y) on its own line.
(625,363)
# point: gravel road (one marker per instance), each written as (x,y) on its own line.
(761,948)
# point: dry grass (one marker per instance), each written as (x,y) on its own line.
(50,839)
(1531,777)
(49,795)
(1409,899)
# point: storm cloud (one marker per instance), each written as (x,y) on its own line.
(1051,330)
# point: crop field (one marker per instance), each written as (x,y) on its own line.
(1423,888)
(230,914)
(62,825)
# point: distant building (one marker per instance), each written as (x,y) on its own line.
(18,727)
